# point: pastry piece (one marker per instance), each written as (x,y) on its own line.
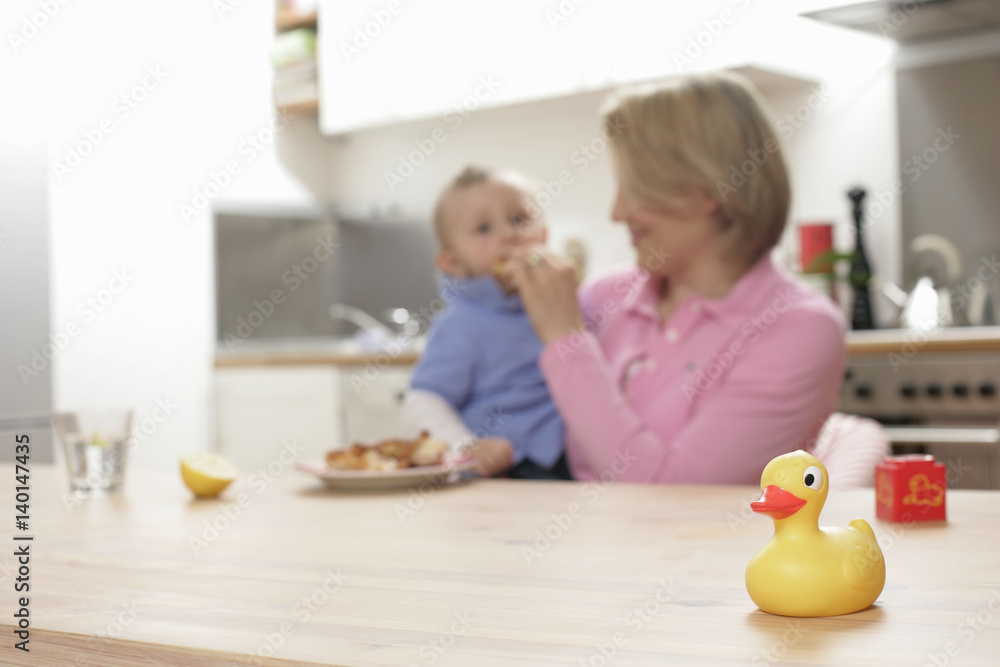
(352,458)
(502,276)
(429,452)
(389,454)
(397,449)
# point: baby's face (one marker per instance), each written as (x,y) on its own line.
(484,222)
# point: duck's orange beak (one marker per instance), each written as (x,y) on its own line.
(777,503)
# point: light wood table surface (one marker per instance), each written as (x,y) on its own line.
(651,574)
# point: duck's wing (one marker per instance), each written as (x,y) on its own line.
(864,565)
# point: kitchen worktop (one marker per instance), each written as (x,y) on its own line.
(343,352)
(298,352)
(280,572)
(905,341)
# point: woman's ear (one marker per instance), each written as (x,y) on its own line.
(448,263)
(706,204)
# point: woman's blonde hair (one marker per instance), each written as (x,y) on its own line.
(708,132)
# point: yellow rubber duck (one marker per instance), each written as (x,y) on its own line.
(806,570)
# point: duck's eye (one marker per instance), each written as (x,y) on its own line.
(813,478)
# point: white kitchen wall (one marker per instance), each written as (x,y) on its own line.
(117,211)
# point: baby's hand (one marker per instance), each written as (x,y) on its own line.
(492,455)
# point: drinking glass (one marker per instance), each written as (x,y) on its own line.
(95,446)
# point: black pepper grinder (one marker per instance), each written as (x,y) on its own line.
(861,310)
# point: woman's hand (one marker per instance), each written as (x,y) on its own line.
(492,455)
(547,285)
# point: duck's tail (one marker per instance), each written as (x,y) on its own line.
(862,527)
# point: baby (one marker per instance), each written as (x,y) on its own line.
(478,383)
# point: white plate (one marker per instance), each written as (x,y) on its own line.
(370,480)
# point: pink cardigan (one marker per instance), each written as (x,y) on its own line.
(707,398)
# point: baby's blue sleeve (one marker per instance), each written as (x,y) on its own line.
(447,365)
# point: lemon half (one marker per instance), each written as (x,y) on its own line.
(206,474)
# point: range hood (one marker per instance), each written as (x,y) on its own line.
(915,20)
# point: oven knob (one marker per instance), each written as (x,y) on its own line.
(908,390)
(863,391)
(961,389)
(935,390)
(987,390)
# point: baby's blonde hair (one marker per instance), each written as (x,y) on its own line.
(709,132)
(469,176)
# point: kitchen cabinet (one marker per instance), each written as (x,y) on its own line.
(260,411)
(263,409)
(449,58)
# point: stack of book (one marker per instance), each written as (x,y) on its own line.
(294,58)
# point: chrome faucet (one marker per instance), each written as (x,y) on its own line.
(361,319)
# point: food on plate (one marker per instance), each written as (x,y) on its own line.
(429,452)
(390,454)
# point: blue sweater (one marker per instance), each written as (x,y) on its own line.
(482,357)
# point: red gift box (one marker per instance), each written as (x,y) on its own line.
(910,488)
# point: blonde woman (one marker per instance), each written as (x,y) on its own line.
(705,360)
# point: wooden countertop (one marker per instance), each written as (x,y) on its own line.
(310,358)
(652,574)
(902,341)
(883,341)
